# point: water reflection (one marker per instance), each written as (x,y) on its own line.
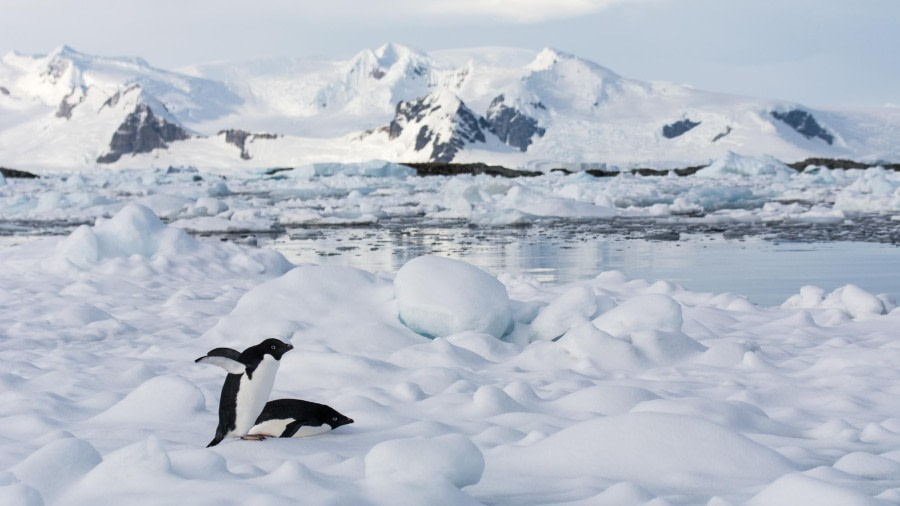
(765,271)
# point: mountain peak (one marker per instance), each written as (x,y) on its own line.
(547,58)
(64,50)
(391,53)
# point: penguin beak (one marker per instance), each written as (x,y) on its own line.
(290,347)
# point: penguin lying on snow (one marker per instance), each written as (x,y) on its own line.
(297,418)
(251,374)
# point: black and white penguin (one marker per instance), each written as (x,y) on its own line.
(251,374)
(297,418)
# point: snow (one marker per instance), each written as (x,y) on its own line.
(452,458)
(439,296)
(608,390)
(375,191)
(760,166)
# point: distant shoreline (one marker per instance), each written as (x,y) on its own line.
(424,169)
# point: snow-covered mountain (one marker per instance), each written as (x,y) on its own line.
(68,110)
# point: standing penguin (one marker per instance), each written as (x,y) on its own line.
(248,385)
(297,418)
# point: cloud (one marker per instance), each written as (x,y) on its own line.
(517,11)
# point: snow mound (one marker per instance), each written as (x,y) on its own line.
(867,465)
(605,399)
(796,488)
(637,446)
(734,164)
(451,458)
(851,299)
(348,307)
(592,347)
(56,466)
(165,399)
(574,307)
(136,469)
(135,230)
(136,233)
(653,324)
(439,296)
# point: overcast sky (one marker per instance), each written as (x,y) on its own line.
(821,53)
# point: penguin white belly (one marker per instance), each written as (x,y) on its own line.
(253,394)
(310,430)
(272,427)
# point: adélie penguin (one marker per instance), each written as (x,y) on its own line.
(251,374)
(297,418)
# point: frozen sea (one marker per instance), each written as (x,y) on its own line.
(724,339)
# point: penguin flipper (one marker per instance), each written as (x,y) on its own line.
(230,365)
(224,352)
(292,428)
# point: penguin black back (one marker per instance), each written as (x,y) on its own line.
(301,414)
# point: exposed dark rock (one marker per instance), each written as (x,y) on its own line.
(454,169)
(3,91)
(15,173)
(56,68)
(142,132)
(512,126)
(804,123)
(65,106)
(240,137)
(722,134)
(665,235)
(464,125)
(837,163)
(678,128)
(643,171)
(378,73)
(276,170)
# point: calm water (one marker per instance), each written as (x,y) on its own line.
(766,271)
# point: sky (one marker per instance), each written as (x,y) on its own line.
(835,53)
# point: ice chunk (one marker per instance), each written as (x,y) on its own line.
(734,164)
(439,296)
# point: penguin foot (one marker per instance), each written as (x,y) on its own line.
(254,437)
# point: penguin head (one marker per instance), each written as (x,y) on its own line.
(274,347)
(335,419)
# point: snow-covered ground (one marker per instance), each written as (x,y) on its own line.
(606,391)
(466,387)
